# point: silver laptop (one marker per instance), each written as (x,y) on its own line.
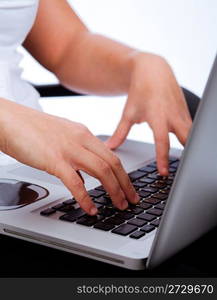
(173,212)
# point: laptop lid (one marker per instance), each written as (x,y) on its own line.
(191,209)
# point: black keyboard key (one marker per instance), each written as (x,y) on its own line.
(147,228)
(124,229)
(66,208)
(100,188)
(152,164)
(136,188)
(146,217)
(114,220)
(145,205)
(147,180)
(152,201)
(135,210)
(173,159)
(70,201)
(96,193)
(108,198)
(175,164)
(58,206)
(150,189)
(137,234)
(156,222)
(98,205)
(68,218)
(137,222)
(155,212)
(89,220)
(160,196)
(160,206)
(139,184)
(166,192)
(156,176)
(172,170)
(159,185)
(125,215)
(106,211)
(47,212)
(103,200)
(144,194)
(148,169)
(104,226)
(136,175)
(77,213)
(169,182)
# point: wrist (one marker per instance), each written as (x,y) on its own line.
(144,66)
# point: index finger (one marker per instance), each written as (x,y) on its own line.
(162,146)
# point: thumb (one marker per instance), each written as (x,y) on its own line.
(120,134)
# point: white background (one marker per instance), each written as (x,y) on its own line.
(183,31)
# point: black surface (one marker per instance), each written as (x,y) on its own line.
(24,259)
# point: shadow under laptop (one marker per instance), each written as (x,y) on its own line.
(24,259)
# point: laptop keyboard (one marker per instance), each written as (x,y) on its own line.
(136,220)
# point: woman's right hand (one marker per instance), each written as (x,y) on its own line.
(61,148)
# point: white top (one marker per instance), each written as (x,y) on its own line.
(16,20)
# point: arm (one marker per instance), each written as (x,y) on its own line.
(45,142)
(60,39)
(91,63)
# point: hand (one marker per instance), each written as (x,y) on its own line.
(154,97)
(61,147)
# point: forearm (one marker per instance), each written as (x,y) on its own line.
(96,64)
(6,117)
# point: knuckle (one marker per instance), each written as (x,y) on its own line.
(54,164)
(83,199)
(116,162)
(104,168)
(161,138)
(129,115)
(82,130)
(77,184)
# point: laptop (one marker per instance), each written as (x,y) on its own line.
(173,211)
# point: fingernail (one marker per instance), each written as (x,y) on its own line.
(124,204)
(165,171)
(136,198)
(93,211)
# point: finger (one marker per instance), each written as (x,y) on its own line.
(73,182)
(97,147)
(181,131)
(162,149)
(100,169)
(120,134)
(79,174)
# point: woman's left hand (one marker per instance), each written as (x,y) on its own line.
(154,97)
